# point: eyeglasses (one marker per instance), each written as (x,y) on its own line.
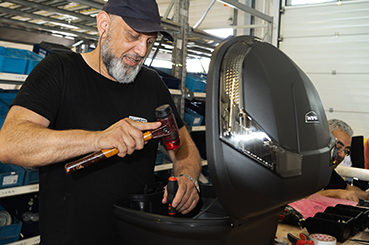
(340,147)
(347,151)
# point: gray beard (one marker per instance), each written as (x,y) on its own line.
(116,68)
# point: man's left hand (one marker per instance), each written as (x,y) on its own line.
(186,198)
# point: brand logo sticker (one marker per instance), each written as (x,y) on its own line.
(138,119)
(311,117)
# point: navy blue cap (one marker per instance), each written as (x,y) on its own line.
(140,15)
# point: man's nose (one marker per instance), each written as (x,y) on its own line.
(141,48)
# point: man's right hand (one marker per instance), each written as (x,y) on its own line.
(125,135)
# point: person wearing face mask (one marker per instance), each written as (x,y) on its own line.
(74,104)
(337,187)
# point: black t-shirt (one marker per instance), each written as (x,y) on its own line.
(77,208)
(336,182)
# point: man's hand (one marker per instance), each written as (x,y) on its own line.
(186,160)
(186,197)
(347,195)
(340,194)
(125,135)
(359,192)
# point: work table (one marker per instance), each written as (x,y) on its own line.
(284,229)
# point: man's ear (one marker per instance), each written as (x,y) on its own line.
(103,22)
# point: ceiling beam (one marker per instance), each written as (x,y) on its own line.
(53,9)
(40,17)
(47,28)
(31,37)
(240,6)
(88,3)
(204,35)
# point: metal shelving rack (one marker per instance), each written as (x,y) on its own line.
(9,78)
(29,241)
(20,190)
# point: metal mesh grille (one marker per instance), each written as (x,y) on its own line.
(231,83)
(232,76)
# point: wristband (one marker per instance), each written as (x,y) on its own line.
(193,180)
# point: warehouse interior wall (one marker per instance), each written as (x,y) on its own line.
(329,42)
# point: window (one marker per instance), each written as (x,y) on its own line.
(223,33)
(302,2)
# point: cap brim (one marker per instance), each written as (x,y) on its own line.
(146,26)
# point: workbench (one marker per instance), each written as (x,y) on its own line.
(284,229)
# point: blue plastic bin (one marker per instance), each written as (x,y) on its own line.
(43,49)
(40,51)
(11,175)
(196,82)
(10,233)
(165,70)
(32,58)
(192,118)
(6,98)
(197,106)
(171,81)
(11,62)
(31,176)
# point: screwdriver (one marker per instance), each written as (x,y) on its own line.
(172,190)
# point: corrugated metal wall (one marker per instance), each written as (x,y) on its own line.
(331,44)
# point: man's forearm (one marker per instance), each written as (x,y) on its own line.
(186,159)
(34,145)
(26,141)
(190,164)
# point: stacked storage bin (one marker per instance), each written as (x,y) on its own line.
(195,109)
(11,62)
(14,176)
(6,98)
(18,61)
(11,175)
(24,213)
(10,227)
(170,81)
(196,82)
(32,58)
(43,49)
(195,112)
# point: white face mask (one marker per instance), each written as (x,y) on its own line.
(116,68)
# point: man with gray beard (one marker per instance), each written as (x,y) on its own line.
(74,104)
(115,66)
